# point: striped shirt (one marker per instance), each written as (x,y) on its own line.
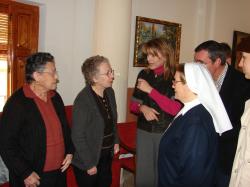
(219,81)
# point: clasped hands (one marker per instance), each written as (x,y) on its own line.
(33,180)
(149,113)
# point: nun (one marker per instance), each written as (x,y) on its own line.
(188,148)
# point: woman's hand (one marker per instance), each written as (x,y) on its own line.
(92,171)
(116,148)
(143,86)
(66,162)
(149,113)
(32,180)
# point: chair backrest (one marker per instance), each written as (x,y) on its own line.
(127,135)
(68,111)
(130,116)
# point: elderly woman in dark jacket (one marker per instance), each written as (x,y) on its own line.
(35,140)
(94,125)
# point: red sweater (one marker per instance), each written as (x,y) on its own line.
(54,136)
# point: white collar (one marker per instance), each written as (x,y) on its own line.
(189,105)
(186,108)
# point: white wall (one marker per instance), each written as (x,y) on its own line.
(66,31)
(231,15)
(111,39)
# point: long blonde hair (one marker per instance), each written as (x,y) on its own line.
(160,45)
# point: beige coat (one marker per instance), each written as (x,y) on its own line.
(240,176)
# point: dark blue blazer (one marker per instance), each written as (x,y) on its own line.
(188,151)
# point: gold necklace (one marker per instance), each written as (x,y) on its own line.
(104,103)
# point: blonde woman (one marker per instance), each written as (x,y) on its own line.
(153,102)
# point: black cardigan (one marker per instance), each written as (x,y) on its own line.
(165,88)
(23,135)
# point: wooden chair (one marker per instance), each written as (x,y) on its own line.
(127,134)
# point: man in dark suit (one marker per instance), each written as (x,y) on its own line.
(232,87)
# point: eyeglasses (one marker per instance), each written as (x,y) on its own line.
(175,82)
(109,73)
(54,73)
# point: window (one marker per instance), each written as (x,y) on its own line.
(18,39)
(4,23)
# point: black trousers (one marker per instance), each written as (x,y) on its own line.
(103,177)
(53,178)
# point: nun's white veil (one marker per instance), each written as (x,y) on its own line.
(200,81)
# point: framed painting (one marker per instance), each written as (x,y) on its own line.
(236,55)
(147,29)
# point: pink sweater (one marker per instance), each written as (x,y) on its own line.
(168,105)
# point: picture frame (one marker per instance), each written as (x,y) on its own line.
(236,55)
(147,29)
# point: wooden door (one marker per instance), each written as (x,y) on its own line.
(24,39)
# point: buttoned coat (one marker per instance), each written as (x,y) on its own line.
(188,151)
(240,176)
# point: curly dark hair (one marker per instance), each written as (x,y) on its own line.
(36,63)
